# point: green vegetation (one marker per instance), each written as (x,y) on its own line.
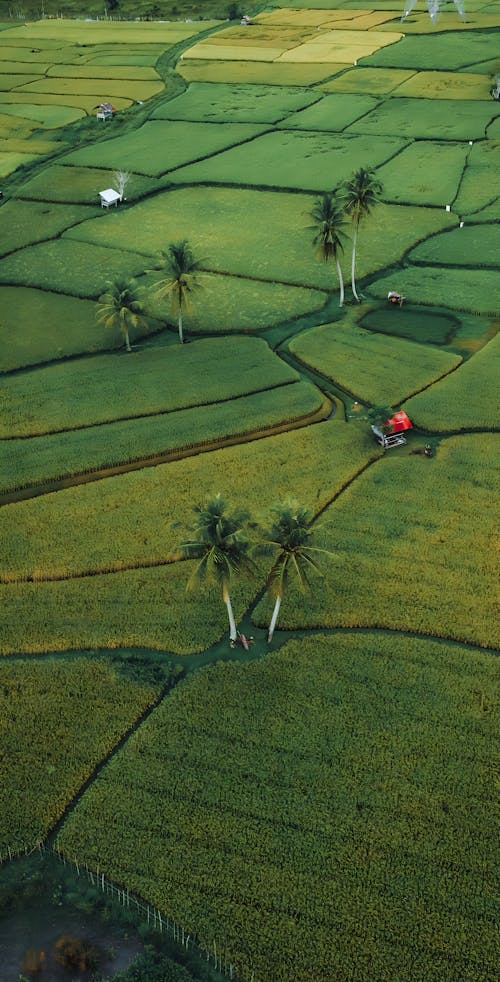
(69,327)
(447,50)
(474,290)
(329,235)
(289,159)
(160,146)
(331,114)
(69,267)
(466,400)
(133,90)
(372,367)
(428,524)
(79,185)
(179,268)
(425,173)
(427,120)
(352,765)
(416,325)
(473,245)
(362,192)
(222,103)
(254,72)
(121,310)
(478,183)
(95,448)
(371,81)
(73,692)
(104,389)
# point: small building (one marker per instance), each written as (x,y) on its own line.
(110,197)
(105,111)
(390,434)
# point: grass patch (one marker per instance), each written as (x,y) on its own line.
(82,707)
(86,450)
(49,117)
(104,389)
(98,87)
(93,71)
(466,400)
(69,267)
(331,114)
(375,368)
(85,102)
(425,173)
(448,50)
(254,73)
(9,162)
(80,185)
(59,32)
(8,82)
(69,327)
(331,766)
(426,119)
(478,187)
(437,543)
(306,161)
(474,290)
(416,325)
(367,81)
(473,245)
(157,147)
(24,222)
(222,103)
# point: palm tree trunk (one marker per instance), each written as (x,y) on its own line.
(232,625)
(341,282)
(353,264)
(181,333)
(127,341)
(274,618)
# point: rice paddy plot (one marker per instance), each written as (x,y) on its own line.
(57,698)
(158,146)
(426,523)
(428,119)
(69,267)
(231,304)
(69,327)
(128,72)
(139,517)
(36,147)
(425,173)
(449,21)
(8,82)
(472,290)
(479,183)
(104,388)
(289,159)
(472,245)
(103,89)
(466,400)
(312,738)
(222,103)
(50,117)
(123,61)
(375,368)
(255,73)
(59,32)
(87,103)
(338,45)
(80,185)
(410,323)
(22,68)
(23,223)
(209,49)
(64,455)
(448,50)
(331,114)
(20,126)
(444,85)
(10,162)
(367,81)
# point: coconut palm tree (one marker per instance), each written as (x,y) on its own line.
(329,219)
(120,309)
(290,538)
(218,542)
(362,192)
(180,268)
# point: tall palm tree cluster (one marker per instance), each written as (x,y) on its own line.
(331,212)
(218,542)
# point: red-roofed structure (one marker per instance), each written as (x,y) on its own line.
(390,434)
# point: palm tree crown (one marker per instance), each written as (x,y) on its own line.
(329,221)
(180,268)
(361,193)
(221,547)
(120,308)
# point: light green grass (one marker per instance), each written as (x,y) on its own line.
(49,116)
(223,103)
(106,388)
(306,161)
(80,185)
(86,102)
(9,162)
(69,267)
(352,765)
(21,67)
(367,81)
(129,72)
(412,539)
(375,368)
(478,187)
(25,222)
(449,51)
(59,32)
(103,89)
(69,327)
(445,85)
(425,173)
(8,82)
(472,245)
(63,718)
(474,290)
(428,119)
(255,73)
(222,235)
(332,113)
(63,455)
(466,400)
(160,146)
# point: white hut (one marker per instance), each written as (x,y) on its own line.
(110,197)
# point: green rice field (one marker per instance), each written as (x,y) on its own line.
(312,799)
